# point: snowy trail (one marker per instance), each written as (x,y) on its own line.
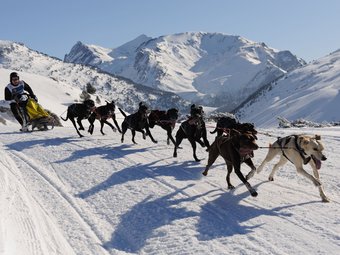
(26,226)
(63,207)
(104,197)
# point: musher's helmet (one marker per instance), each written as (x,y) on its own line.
(13,75)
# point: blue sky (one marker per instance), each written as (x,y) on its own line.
(308,28)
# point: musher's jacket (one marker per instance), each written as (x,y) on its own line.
(14,92)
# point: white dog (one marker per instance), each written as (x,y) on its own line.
(299,150)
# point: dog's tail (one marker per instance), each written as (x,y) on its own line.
(64,119)
(124,114)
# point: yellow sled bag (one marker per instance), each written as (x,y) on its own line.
(34,110)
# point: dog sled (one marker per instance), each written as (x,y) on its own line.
(37,117)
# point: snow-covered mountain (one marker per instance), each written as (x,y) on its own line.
(209,68)
(311,92)
(127,94)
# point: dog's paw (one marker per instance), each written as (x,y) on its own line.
(253,193)
(231,187)
(326,200)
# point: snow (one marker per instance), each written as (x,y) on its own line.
(202,67)
(61,194)
(310,92)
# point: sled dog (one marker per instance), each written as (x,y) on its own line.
(235,149)
(299,150)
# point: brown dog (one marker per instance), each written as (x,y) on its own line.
(235,149)
(103,113)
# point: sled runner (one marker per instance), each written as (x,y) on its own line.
(37,117)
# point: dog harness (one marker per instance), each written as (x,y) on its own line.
(244,153)
(297,148)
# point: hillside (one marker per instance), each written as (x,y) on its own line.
(209,68)
(310,92)
(125,93)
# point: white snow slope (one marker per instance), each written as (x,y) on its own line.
(61,194)
(311,92)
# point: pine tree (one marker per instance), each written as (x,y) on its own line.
(90,89)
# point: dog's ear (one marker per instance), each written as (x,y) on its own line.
(317,137)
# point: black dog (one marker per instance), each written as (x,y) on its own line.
(164,119)
(194,129)
(102,113)
(225,124)
(137,122)
(234,149)
(79,111)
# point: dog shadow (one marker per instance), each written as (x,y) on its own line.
(106,152)
(184,171)
(139,223)
(22,145)
(231,216)
(222,217)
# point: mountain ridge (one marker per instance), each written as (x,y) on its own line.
(310,92)
(203,67)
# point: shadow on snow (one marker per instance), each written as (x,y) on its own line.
(21,145)
(106,152)
(222,217)
(183,171)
